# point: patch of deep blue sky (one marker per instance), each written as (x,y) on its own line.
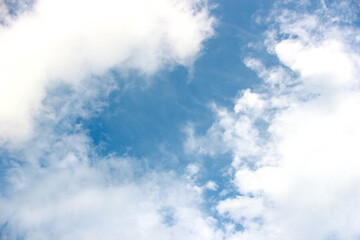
(148,122)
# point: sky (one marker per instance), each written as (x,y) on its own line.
(179,119)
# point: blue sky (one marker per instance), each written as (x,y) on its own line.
(158,112)
(179,119)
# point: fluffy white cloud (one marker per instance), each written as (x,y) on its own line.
(77,195)
(69,41)
(295,140)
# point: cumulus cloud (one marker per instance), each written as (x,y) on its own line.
(294,140)
(77,195)
(69,41)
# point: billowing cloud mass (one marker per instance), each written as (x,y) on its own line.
(294,140)
(69,41)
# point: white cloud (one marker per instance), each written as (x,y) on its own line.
(211,185)
(69,41)
(74,201)
(242,208)
(294,141)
